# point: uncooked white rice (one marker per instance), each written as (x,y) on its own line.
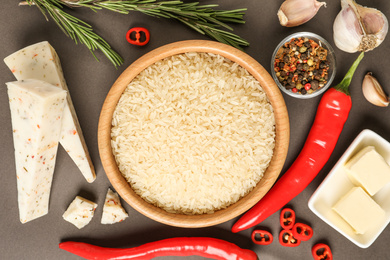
(193,133)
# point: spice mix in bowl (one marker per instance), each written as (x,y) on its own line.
(193,133)
(303,65)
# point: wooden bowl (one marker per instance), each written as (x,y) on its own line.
(270,175)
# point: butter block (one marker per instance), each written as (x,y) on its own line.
(80,212)
(359,210)
(36,114)
(368,170)
(113,212)
(40,61)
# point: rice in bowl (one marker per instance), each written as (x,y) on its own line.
(193,133)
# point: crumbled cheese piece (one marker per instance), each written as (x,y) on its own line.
(36,112)
(359,210)
(40,61)
(368,170)
(113,211)
(80,212)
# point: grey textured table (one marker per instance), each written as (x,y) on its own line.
(89,83)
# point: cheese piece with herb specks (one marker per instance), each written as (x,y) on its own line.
(36,114)
(80,212)
(113,211)
(40,61)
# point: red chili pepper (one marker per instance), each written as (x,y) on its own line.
(286,238)
(287,218)
(137,36)
(262,237)
(321,251)
(180,246)
(331,115)
(302,231)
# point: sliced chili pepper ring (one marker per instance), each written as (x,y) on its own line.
(286,238)
(321,251)
(287,218)
(135,36)
(262,237)
(302,231)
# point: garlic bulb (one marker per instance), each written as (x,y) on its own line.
(359,28)
(373,91)
(296,12)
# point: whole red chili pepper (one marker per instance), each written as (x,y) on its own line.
(302,231)
(331,115)
(321,251)
(286,238)
(262,237)
(287,218)
(180,246)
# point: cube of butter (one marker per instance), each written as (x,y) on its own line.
(80,212)
(359,210)
(368,170)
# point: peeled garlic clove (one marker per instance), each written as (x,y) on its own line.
(373,91)
(359,28)
(296,12)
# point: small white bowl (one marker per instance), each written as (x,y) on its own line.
(337,184)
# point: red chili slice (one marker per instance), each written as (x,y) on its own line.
(286,238)
(287,218)
(262,237)
(136,34)
(302,231)
(321,251)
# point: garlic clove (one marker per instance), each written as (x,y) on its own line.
(296,12)
(347,31)
(375,24)
(373,91)
(359,28)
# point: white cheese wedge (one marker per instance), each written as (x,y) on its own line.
(40,61)
(368,170)
(113,211)
(36,113)
(359,210)
(80,212)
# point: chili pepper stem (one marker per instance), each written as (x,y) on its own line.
(343,86)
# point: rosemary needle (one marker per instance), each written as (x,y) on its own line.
(202,18)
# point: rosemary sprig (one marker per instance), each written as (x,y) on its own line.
(202,18)
(77,29)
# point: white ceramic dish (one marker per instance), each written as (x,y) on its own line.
(336,184)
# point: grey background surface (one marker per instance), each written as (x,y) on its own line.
(89,83)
